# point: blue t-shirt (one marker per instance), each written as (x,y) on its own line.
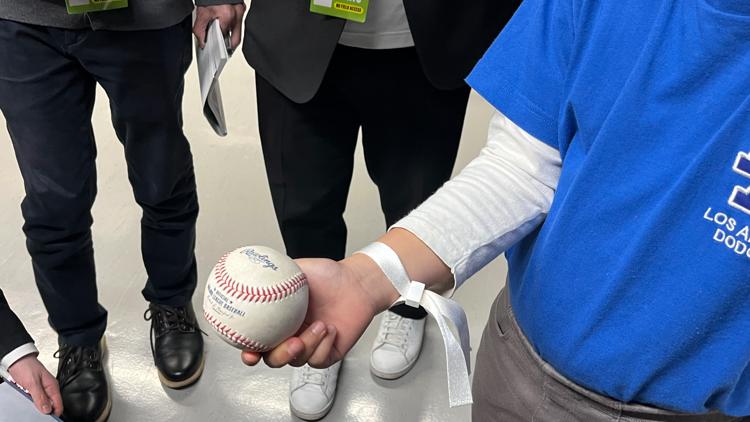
(637,285)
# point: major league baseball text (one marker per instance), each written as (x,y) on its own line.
(255,298)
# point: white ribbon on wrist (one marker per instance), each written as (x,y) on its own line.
(444,310)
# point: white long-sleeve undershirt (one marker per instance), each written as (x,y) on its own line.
(496,200)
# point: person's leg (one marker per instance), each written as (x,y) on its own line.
(142,73)
(309,155)
(47,100)
(411,132)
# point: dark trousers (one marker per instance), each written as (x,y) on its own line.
(47,88)
(410,133)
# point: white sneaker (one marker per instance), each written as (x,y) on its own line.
(311,391)
(397,346)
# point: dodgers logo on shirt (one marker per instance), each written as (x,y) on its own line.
(731,231)
(740,198)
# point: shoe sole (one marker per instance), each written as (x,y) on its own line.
(391,375)
(312,416)
(177,385)
(105,360)
(107,410)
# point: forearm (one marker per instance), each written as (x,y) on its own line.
(497,200)
(14,334)
(420,262)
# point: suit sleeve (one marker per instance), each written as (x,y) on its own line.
(12,334)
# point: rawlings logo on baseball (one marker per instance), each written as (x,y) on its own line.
(255,298)
(257,258)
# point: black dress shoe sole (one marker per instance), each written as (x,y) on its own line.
(107,411)
(177,385)
(105,360)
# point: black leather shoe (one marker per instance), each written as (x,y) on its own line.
(83,383)
(176,344)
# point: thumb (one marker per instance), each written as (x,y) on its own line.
(38,395)
(237,26)
(237,32)
(53,392)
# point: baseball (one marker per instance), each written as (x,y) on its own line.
(255,298)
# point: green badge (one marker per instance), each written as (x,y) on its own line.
(353,10)
(76,7)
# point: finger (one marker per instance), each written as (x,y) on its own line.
(311,338)
(200,28)
(53,392)
(225,23)
(237,28)
(41,401)
(236,34)
(322,357)
(285,353)
(250,358)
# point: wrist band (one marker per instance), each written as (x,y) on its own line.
(444,310)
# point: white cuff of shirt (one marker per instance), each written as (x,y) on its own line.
(18,353)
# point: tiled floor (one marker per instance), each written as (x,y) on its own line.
(235,210)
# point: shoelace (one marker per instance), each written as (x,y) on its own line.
(314,376)
(166,319)
(396,330)
(74,359)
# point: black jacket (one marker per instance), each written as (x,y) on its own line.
(138,16)
(291,47)
(12,333)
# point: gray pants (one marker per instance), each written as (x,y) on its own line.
(512,383)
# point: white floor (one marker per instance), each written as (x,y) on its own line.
(236,210)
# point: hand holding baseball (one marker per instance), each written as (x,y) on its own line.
(342,303)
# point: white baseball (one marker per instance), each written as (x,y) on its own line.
(255,298)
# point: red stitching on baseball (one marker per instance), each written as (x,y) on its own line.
(234,336)
(255,294)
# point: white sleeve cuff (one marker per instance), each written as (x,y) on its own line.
(19,352)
